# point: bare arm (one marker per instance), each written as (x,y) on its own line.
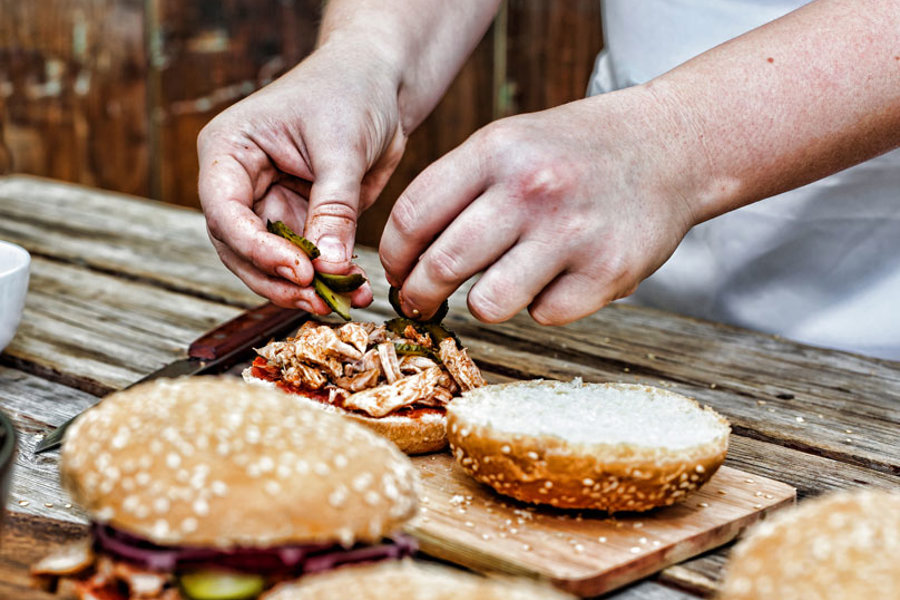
(568,209)
(800,98)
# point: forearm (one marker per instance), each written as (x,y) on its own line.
(423,42)
(798,99)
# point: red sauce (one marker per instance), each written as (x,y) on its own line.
(261,369)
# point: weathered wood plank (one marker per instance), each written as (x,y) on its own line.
(130,237)
(98,332)
(35,405)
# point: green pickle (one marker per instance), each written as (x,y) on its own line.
(415,350)
(327,286)
(339,303)
(281,229)
(221,585)
(342,283)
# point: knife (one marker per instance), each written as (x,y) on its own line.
(214,351)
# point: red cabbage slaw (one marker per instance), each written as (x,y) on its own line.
(294,559)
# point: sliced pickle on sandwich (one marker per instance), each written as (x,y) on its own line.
(221,585)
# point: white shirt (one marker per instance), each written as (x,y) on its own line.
(819,264)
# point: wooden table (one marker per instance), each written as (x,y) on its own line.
(121,285)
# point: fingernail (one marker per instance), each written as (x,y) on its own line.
(332,249)
(288,273)
(303,305)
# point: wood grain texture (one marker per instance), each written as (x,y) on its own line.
(585,553)
(109,267)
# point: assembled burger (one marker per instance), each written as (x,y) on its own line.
(211,489)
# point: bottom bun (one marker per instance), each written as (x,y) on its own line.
(409,580)
(841,546)
(422,434)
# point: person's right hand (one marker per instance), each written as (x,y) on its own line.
(313,149)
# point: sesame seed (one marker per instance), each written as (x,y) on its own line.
(703,505)
(757,506)
(635,550)
(201,507)
(848,431)
(272,487)
(469,524)
(712,386)
(486,536)
(799,419)
(505,449)
(761,402)
(532,455)
(189,525)
(548,484)
(638,524)
(748,480)
(579,548)
(602,539)
(526,547)
(372,498)
(48,504)
(699,468)
(722,492)
(587,481)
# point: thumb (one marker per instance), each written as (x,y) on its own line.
(331,220)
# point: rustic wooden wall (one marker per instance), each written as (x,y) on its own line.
(112,93)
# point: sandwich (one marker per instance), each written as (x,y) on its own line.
(397,378)
(610,447)
(843,545)
(408,580)
(208,488)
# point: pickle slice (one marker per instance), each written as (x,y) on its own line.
(394,299)
(342,283)
(281,229)
(437,332)
(220,585)
(403,349)
(339,303)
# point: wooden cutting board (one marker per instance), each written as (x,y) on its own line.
(586,553)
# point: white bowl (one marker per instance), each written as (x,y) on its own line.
(14,261)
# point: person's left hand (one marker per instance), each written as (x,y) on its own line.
(564,210)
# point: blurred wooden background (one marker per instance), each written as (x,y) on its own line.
(112,93)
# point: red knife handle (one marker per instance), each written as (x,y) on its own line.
(254,326)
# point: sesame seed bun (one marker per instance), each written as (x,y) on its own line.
(612,447)
(212,461)
(409,580)
(841,546)
(421,434)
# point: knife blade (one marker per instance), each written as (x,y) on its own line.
(212,352)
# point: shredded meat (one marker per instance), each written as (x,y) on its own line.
(389,362)
(412,364)
(357,364)
(354,334)
(461,367)
(420,339)
(384,399)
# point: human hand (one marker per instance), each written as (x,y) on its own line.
(313,149)
(564,210)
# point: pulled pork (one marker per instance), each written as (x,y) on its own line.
(367,368)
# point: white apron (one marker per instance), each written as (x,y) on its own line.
(819,264)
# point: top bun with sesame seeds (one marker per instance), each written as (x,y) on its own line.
(612,447)
(840,546)
(213,462)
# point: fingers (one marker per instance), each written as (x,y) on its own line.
(513,282)
(227,194)
(278,290)
(333,211)
(476,239)
(572,296)
(430,203)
